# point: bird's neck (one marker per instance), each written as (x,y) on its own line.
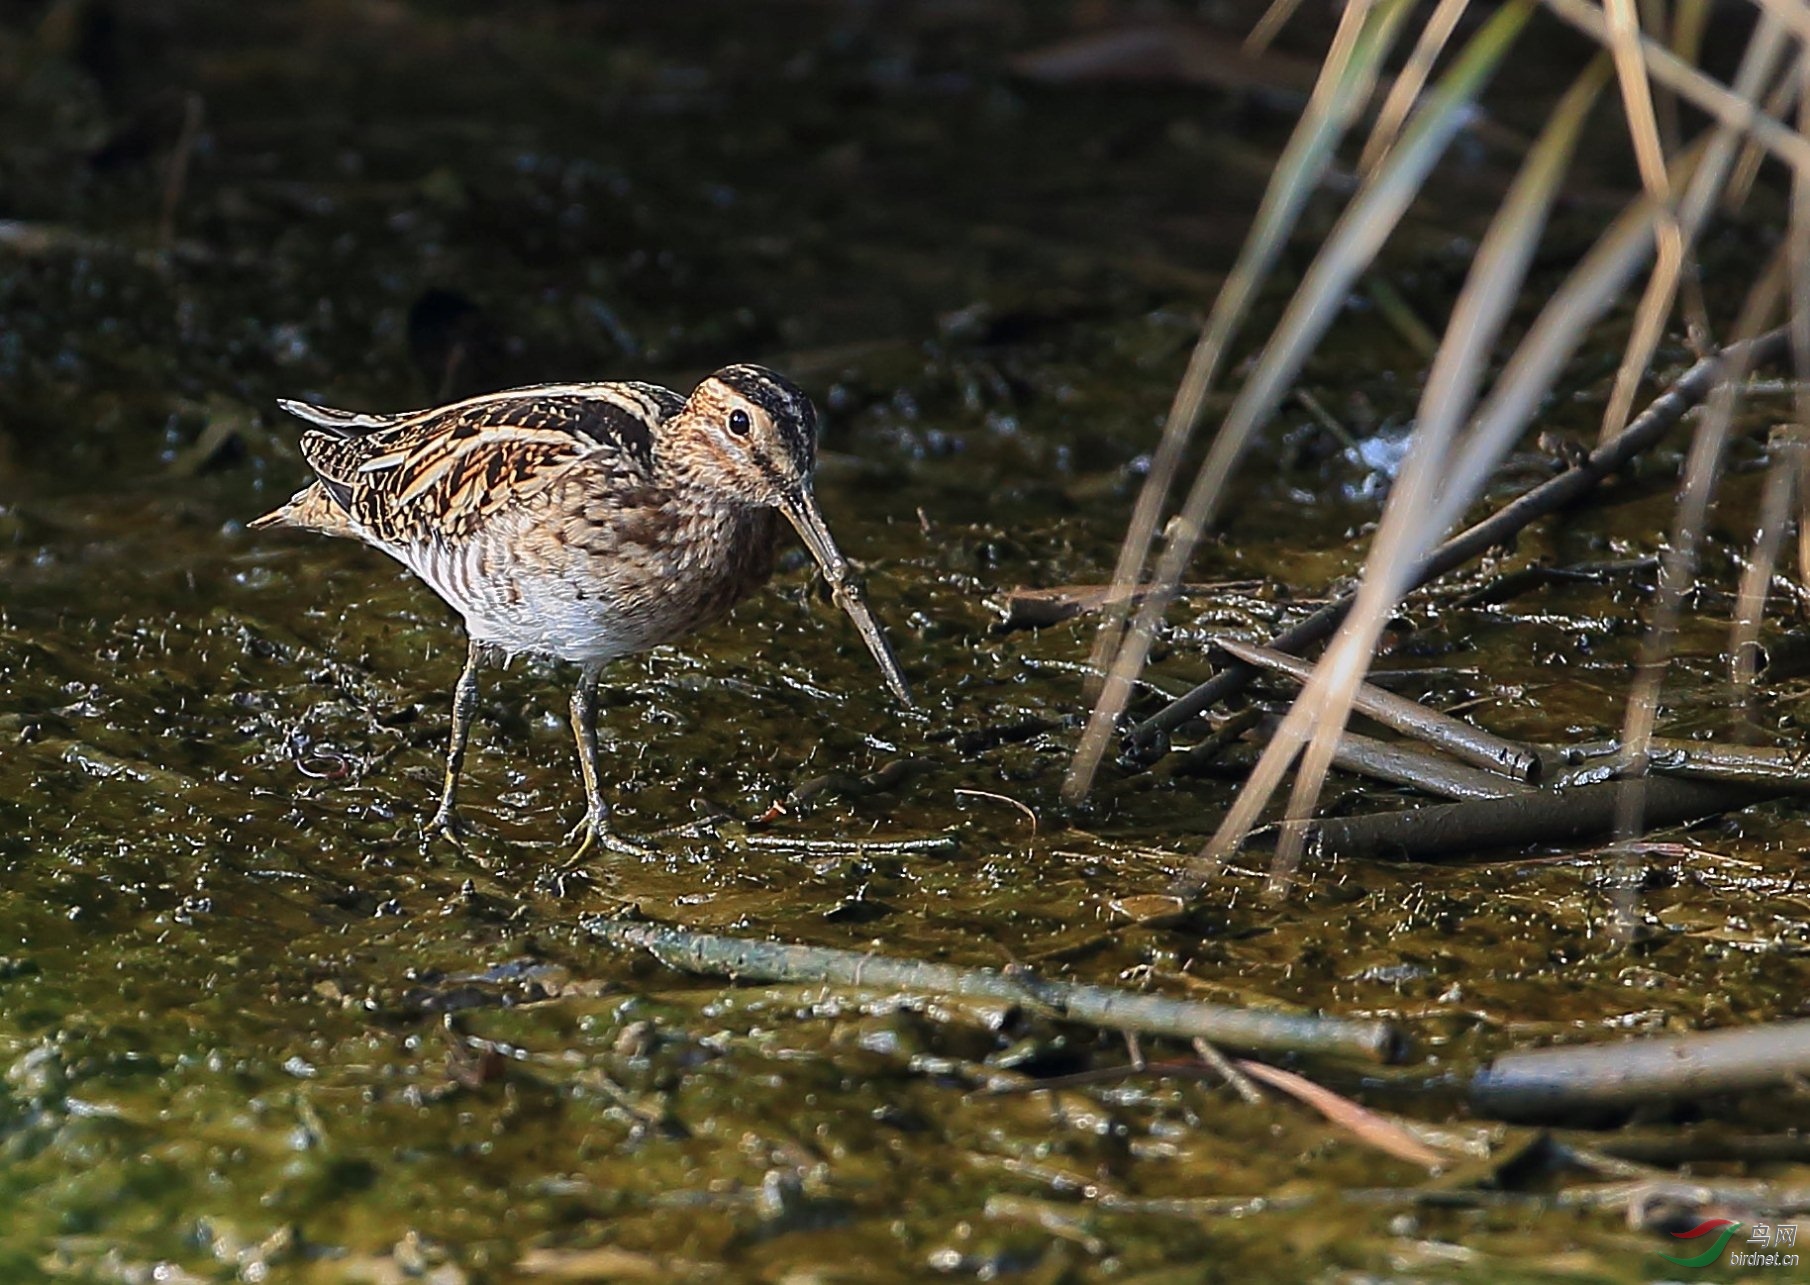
(689,473)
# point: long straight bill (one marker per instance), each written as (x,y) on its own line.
(801,511)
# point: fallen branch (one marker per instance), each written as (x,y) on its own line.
(979,740)
(1100,1006)
(1540,1084)
(851,847)
(1754,765)
(1538,816)
(1511,585)
(1696,1145)
(1762,1197)
(1399,763)
(1148,741)
(1410,718)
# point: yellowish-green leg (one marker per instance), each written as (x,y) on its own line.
(593,831)
(465,703)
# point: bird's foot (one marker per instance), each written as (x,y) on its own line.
(446,824)
(594,835)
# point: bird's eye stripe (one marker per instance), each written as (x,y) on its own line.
(739,423)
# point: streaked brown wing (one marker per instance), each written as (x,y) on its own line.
(444,472)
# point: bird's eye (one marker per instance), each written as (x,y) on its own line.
(739,423)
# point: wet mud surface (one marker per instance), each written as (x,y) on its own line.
(251,1030)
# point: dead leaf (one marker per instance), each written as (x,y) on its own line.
(1372,1129)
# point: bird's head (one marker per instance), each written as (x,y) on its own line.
(750,435)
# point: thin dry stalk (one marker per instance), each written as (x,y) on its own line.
(1654,17)
(1406,90)
(1366,223)
(1800,315)
(176,171)
(1367,1126)
(1364,38)
(1689,20)
(1778,104)
(1792,13)
(1758,61)
(1240,1082)
(1649,153)
(1776,504)
(1273,20)
(1703,92)
(1678,575)
(1404,536)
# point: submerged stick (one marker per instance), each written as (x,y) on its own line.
(1541,1083)
(1403,764)
(1410,718)
(1538,816)
(1146,742)
(1100,1006)
(1669,1147)
(1028,608)
(1511,585)
(1756,765)
(852,847)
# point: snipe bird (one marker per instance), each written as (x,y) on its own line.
(583,522)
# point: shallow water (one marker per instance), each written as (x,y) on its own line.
(251,1030)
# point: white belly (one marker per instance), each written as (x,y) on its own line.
(549,613)
(528,595)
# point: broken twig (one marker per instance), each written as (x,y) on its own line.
(1539,816)
(1101,1006)
(1543,1083)
(1410,718)
(1402,764)
(1147,741)
(1786,771)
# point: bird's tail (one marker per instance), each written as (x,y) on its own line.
(311,509)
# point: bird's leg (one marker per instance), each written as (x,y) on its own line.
(593,831)
(465,702)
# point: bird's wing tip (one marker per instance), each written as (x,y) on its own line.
(347,423)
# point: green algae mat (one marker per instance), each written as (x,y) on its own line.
(251,1029)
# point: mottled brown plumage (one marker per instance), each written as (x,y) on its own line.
(579,521)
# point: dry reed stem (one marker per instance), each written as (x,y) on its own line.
(1410,82)
(1703,91)
(1649,154)
(1776,504)
(1366,223)
(1412,520)
(1344,87)
(1678,571)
